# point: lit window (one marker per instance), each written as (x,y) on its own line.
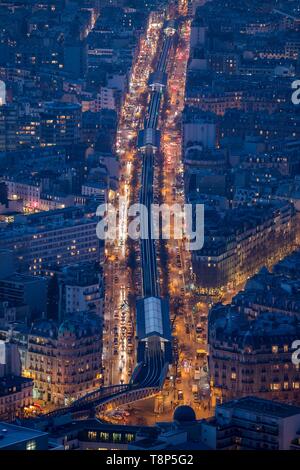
(104,436)
(117,437)
(275,386)
(274,349)
(31,445)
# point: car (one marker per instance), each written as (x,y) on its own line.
(201,354)
(197,374)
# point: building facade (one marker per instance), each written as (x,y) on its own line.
(60,124)
(64,360)
(58,238)
(251,424)
(253,356)
(240,242)
(15,395)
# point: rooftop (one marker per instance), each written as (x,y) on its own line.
(12,384)
(266,407)
(11,434)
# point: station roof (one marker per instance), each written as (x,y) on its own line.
(153,318)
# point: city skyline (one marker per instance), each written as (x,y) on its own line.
(149,225)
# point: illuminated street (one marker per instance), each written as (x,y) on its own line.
(189,346)
(119,344)
(188,380)
(149,229)
(119,338)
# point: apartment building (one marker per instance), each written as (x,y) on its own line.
(64,360)
(253,356)
(55,238)
(239,242)
(252,424)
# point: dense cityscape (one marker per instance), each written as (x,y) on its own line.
(149,225)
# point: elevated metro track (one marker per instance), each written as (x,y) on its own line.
(153,323)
